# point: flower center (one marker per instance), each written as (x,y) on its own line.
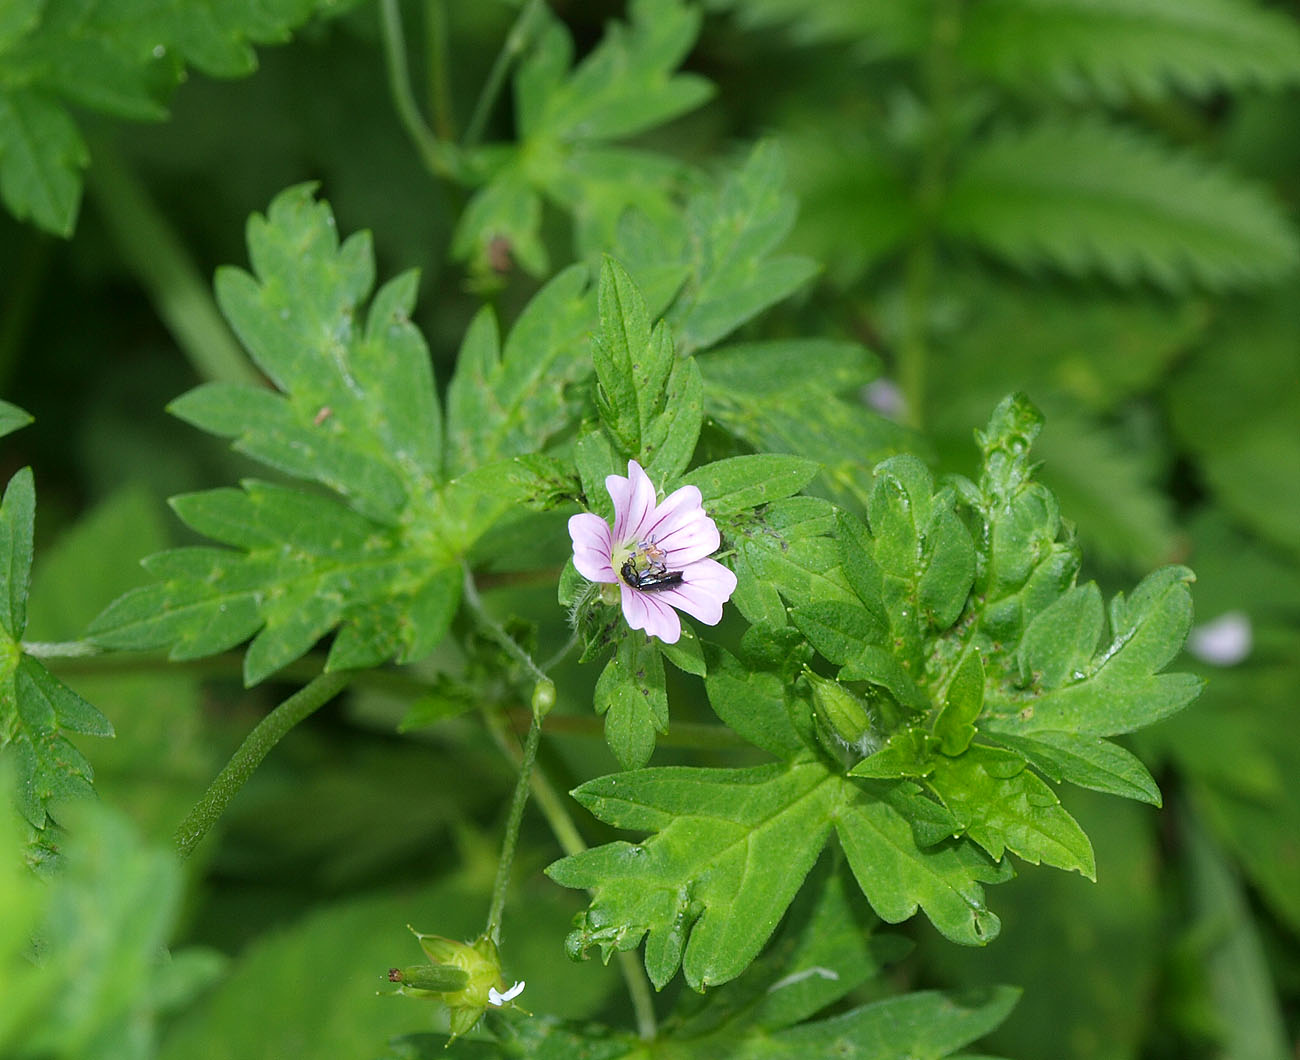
(644,566)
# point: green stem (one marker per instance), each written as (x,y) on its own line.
(439,157)
(562,826)
(511,839)
(496,631)
(918,281)
(511,48)
(435,28)
(268,732)
(155,254)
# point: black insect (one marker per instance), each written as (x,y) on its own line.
(655,575)
(653,579)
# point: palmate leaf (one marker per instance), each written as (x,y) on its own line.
(1091,198)
(507,401)
(120,57)
(1118,48)
(718,271)
(729,849)
(37,711)
(357,414)
(568,122)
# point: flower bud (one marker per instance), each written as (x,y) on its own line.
(843,724)
(543,698)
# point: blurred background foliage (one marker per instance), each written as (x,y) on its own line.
(1090,201)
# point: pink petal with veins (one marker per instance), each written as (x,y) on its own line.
(706,586)
(634,501)
(646,611)
(592,547)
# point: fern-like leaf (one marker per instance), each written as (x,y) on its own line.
(1113,48)
(1092,198)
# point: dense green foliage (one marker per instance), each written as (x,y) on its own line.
(972,323)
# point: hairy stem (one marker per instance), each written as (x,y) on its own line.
(496,631)
(511,838)
(560,821)
(511,48)
(155,254)
(257,744)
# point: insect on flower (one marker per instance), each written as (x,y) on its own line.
(657,553)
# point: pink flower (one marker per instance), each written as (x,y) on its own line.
(657,555)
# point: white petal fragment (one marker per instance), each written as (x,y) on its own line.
(498,999)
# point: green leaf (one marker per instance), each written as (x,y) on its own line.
(898,875)
(741,482)
(1004,806)
(924,554)
(37,711)
(512,401)
(800,396)
(649,400)
(731,847)
(120,57)
(567,120)
(954,727)
(533,481)
(105,978)
(752,703)
(840,632)
(17,525)
(726,247)
(12,418)
(307,565)
(1094,199)
(358,413)
(630,694)
(1117,49)
(924,1024)
(785,545)
(1120,688)
(41,158)
(1087,761)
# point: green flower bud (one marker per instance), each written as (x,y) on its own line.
(843,724)
(543,698)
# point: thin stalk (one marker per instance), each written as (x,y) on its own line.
(153,251)
(511,48)
(257,744)
(562,826)
(511,838)
(918,282)
(440,157)
(439,75)
(495,629)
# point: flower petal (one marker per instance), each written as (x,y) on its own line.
(706,586)
(688,539)
(634,501)
(647,611)
(591,547)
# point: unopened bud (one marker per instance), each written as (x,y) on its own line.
(543,698)
(843,723)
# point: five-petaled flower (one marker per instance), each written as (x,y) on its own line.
(657,555)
